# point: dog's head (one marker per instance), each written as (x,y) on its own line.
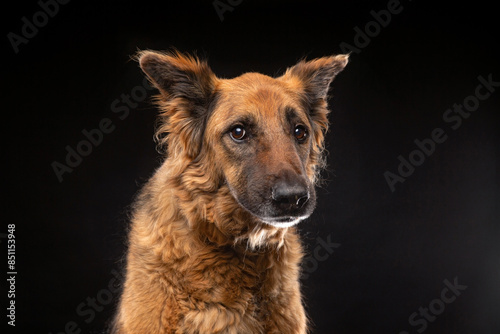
(261,137)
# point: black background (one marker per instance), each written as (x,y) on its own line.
(396,248)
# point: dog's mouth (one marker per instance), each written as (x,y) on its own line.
(264,214)
(283,222)
(272,212)
(270,215)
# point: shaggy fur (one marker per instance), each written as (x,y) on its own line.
(212,246)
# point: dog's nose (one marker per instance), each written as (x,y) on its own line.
(295,194)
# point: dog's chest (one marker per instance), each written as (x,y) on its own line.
(241,280)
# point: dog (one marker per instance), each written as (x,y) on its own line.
(213,246)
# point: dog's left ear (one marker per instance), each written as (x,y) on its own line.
(316,75)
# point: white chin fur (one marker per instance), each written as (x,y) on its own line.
(284,224)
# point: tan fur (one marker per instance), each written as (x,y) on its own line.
(198,261)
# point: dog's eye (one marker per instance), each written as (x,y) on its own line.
(238,133)
(300,133)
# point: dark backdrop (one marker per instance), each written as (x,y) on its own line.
(421,257)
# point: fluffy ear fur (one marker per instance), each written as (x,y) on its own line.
(186,87)
(312,79)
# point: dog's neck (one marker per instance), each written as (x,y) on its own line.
(219,219)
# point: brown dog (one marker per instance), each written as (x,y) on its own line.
(212,247)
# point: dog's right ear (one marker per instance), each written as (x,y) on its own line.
(178,75)
(187,86)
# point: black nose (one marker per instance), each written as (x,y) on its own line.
(290,194)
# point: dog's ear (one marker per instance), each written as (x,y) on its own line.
(186,87)
(316,75)
(178,75)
